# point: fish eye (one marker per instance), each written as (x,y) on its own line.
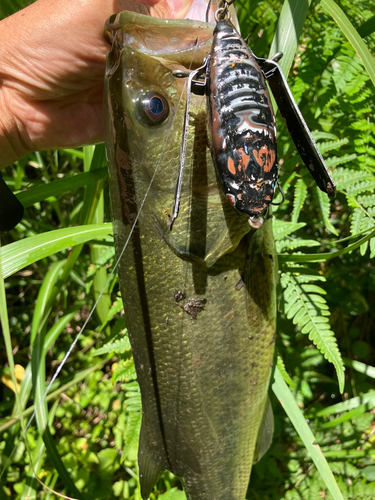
(153,108)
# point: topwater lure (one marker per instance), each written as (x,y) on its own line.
(241,122)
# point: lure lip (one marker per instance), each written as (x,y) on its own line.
(256,221)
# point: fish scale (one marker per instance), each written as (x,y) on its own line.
(203,356)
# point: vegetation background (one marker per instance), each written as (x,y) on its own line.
(84,437)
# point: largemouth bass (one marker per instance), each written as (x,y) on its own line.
(199,300)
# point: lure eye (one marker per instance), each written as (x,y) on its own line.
(153,108)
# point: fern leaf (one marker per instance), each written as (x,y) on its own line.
(316,490)
(367,201)
(300,193)
(283,228)
(124,372)
(325,209)
(116,307)
(362,221)
(361,187)
(320,134)
(356,222)
(133,427)
(284,373)
(311,316)
(120,346)
(293,243)
(353,181)
(372,248)
(324,147)
(333,161)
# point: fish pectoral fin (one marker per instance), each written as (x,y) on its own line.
(265,433)
(150,466)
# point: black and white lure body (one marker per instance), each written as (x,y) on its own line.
(241,123)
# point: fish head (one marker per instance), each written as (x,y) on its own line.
(145,104)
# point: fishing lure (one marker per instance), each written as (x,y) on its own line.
(241,123)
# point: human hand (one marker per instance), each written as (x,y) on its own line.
(52,56)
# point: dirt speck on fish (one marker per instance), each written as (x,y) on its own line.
(203,383)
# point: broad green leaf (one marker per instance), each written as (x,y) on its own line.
(22,253)
(345,417)
(288,31)
(60,187)
(360,367)
(285,397)
(367,399)
(321,257)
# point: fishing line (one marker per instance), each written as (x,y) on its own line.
(68,353)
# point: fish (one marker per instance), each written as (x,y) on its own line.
(199,300)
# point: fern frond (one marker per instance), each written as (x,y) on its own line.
(320,134)
(281,228)
(333,161)
(332,145)
(284,373)
(372,248)
(300,193)
(367,201)
(293,243)
(356,181)
(316,490)
(131,435)
(361,187)
(116,308)
(120,346)
(306,306)
(325,209)
(124,372)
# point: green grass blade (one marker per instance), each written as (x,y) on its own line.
(50,338)
(41,412)
(288,31)
(367,399)
(360,367)
(345,417)
(74,152)
(4,323)
(352,35)
(43,295)
(321,257)
(298,420)
(22,253)
(60,187)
